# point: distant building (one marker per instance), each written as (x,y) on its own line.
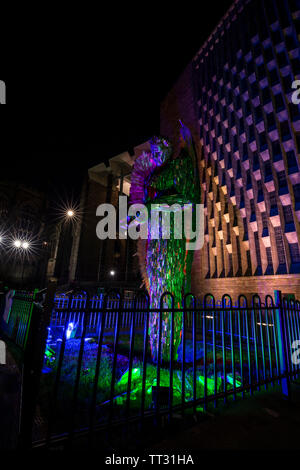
(22,218)
(106,263)
(235,96)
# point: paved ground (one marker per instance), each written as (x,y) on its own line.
(263,422)
(9,403)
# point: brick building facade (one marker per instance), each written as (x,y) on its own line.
(235,96)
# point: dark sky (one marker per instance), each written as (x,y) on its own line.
(82,95)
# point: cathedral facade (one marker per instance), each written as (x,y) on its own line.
(236,97)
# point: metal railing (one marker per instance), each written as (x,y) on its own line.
(15,319)
(98,371)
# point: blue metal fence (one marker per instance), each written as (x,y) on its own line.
(16,316)
(98,372)
(227,350)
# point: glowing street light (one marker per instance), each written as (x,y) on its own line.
(70,213)
(19,244)
(112,272)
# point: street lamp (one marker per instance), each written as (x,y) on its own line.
(112,272)
(22,245)
(67,220)
(19,244)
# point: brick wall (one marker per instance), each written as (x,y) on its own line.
(248,286)
(236,98)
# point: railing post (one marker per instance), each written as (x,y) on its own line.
(33,363)
(282,343)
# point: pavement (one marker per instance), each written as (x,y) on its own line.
(10,391)
(264,421)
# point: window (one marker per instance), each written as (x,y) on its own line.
(294,252)
(294,111)
(254,90)
(230,265)
(296,190)
(258,114)
(274,77)
(249,181)
(266,96)
(285,130)
(295,66)
(290,42)
(271,123)
(261,72)
(282,59)
(292,162)
(251,133)
(239,258)
(269,256)
(245,229)
(249,269)
(247,108)
(288,214)
(282,183)
(276,36)
(238,102)
(276,151)
(263,141)
(287,83)
(279,103)
(257,249)
(268,54)
(264,220)
(279,245)
(242,199)
(268,171)
(228,234)
(255,161)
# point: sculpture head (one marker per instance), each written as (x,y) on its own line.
(161,149)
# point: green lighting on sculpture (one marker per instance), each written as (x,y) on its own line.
(162,179)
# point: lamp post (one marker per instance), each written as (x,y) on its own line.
(23,246)
(69,215)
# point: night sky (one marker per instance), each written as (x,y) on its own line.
(89,94)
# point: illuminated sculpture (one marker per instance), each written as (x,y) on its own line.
(159,178)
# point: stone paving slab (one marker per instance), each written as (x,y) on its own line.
(10,392)
(265,421)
